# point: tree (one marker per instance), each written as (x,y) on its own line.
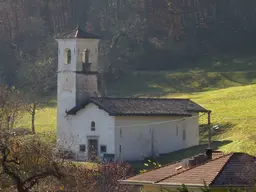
(25,162)
(12,106)
(102,177)
(38,76)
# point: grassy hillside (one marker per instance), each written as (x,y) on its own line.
(164,83)
(45,122)
(208,74)
(230,95)
(232,108)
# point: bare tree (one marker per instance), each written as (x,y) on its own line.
(101,177)
(39,78)
(11,106)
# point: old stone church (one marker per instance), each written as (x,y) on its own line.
(117,128)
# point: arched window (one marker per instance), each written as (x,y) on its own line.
(85,56)
(67,55)
(92,126)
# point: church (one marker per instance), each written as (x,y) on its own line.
(114,128)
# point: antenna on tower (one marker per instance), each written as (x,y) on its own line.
(78,26)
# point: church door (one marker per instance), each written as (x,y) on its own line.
(93,148)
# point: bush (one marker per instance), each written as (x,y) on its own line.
(65,154)
(102,178)
(22,131)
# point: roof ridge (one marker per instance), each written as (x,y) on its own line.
(221,170)
(168,164)
(167,177)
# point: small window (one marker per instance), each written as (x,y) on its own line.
(121,133)
(82,148)
(184,134)
(92,126)
(103,148)
(177,130)
(67,56)
(120,149)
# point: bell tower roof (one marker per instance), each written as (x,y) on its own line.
(77,33)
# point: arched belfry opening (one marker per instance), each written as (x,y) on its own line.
(86,60)
(67,56)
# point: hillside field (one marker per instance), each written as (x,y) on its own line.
(233,105)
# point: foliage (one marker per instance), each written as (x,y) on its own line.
(144,34)
(12,106)
(150,164)
(206,188)
(38,79)
(30,163)
(231,189)
(183,188)
(103,177)
(24,163)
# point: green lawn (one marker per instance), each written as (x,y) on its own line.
(45,122)
(234,110)
(230,95)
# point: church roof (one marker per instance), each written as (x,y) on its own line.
(77,34)
(142,106)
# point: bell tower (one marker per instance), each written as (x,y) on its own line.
(78,67)
(78,71)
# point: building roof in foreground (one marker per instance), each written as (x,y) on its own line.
(77,34)
(142,106)
(233,169)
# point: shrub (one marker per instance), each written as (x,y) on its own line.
(22,131)
(102,178)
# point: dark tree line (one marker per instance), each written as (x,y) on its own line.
(137,34)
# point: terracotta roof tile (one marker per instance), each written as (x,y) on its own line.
(167,171)
(235,169)
(197,175)
(157,174)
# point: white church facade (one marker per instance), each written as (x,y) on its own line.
(120,128)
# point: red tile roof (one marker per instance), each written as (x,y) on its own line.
(234,169)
